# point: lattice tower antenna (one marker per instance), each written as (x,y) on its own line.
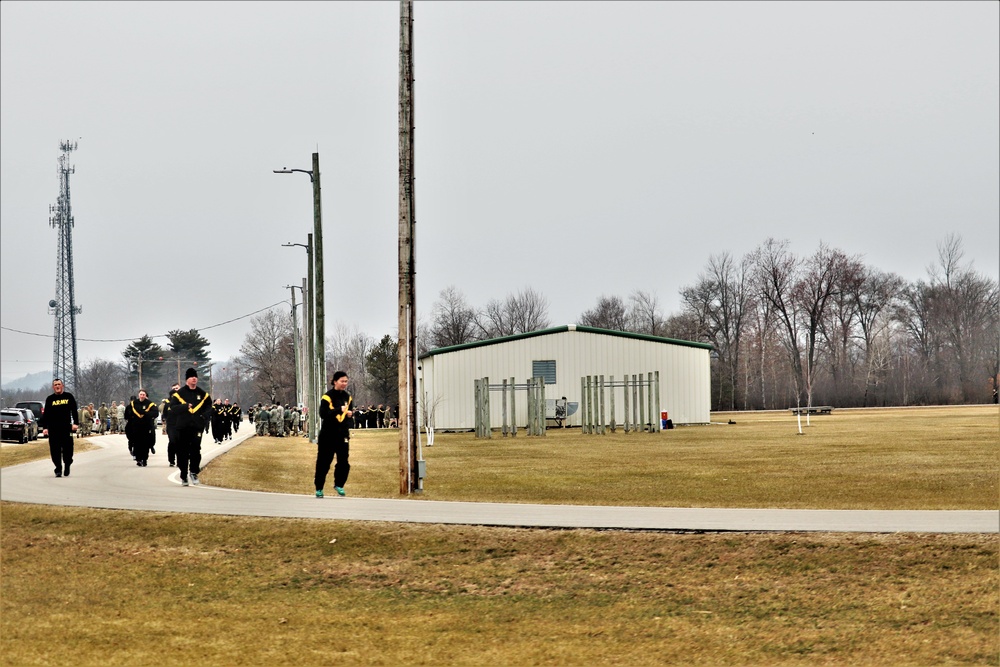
(63,307)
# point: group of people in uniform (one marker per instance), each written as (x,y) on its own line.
(101,421)
(226,420)
(188,412)
(278,420)
(380,416)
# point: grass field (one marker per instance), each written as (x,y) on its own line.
(11,454)
(98,587)
(929,458)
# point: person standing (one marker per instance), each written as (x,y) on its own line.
(121,417)
(190,409)
(278,418)
(140,427)
(113,417)
(334,435)
(262,418)
(83,420)
(103,424)
(169,429)
(59,421)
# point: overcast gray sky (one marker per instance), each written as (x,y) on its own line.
(582,148)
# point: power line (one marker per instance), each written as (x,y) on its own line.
(129,340)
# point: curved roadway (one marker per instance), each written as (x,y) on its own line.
(108,478)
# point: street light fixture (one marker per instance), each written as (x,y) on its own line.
(318,364)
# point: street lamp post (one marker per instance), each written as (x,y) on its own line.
(310,337)
(320,348)
(295,343)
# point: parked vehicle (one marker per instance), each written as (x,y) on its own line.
(36,407)
(32,418)
(18,424)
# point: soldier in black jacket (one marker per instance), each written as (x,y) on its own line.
(140,427)
(235,416)
(190,408)
(334,435)
(168,427)
(58,421)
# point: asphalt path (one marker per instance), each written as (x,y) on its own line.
(108,478)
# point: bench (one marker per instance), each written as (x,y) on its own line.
(814,410)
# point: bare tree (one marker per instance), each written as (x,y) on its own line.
(529,311)
(454,321)
(721,301)
(644,314)
(684,326)
(819,283)
(776,274)
(268,355)
(347,350)
(104,381)
(875,295)
(518,313)
(838,331)
(609,313)
(964,309)
(951,324)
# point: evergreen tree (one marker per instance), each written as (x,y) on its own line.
(144,354)
(383,369)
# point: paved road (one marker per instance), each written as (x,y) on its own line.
(108,478)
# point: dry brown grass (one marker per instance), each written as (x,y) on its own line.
(92,587)
(11,454)
(927,458)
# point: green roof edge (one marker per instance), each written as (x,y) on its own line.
(562,329)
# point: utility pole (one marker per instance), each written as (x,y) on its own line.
(320,350)
(295,346)
(316,294)
(310,338)
(306,333)
(63,306)
(409,480)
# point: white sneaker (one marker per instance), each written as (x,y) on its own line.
(194,479)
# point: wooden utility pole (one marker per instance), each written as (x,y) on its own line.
(408,480)
(296,349)
(320,315)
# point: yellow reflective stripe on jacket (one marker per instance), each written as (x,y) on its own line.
(195,408)
(329,400)
(136,412)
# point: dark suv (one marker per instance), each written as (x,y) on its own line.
(18,424)
(36,407)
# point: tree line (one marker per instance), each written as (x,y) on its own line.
(787,330)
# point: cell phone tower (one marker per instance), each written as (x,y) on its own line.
(64,359)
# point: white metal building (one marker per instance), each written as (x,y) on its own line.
(562,355)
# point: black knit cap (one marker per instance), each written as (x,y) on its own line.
(190,373)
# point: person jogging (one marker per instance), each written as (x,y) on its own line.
(190,410)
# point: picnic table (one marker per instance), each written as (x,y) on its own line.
(814,410)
